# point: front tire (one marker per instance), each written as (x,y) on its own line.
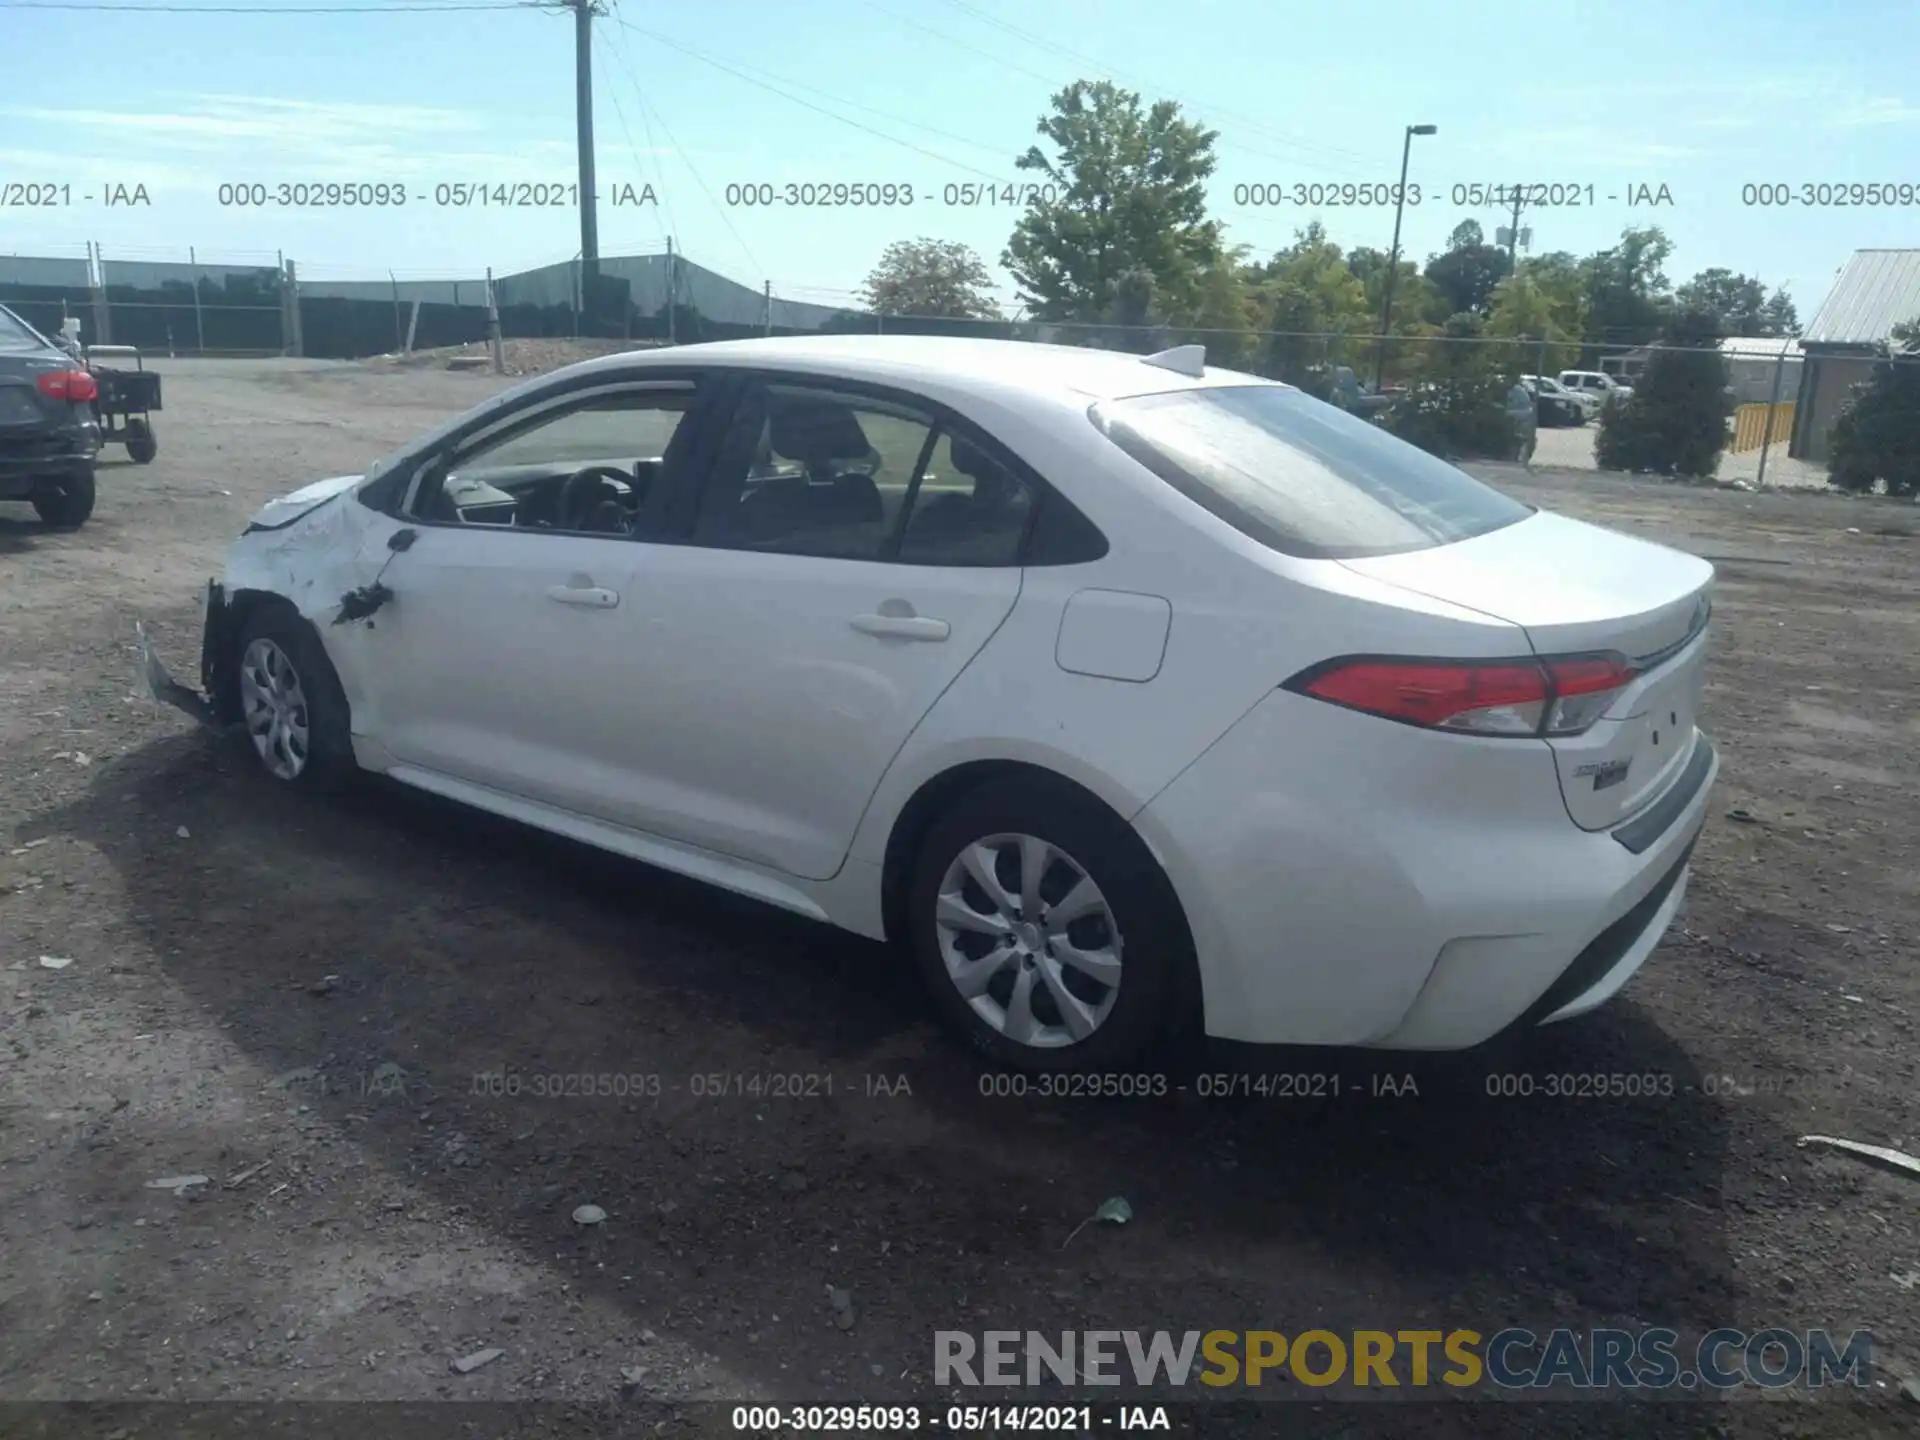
(291,703)
(1045,931)
(67,501)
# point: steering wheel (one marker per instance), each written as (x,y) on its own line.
(581,486)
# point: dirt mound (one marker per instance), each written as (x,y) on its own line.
(521,357)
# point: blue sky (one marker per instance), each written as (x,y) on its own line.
(1701,97)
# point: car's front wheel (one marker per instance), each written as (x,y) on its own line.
(291,702)
(1046,932)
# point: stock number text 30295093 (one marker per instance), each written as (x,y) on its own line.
(882,195)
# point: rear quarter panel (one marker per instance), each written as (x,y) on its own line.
(1244,619)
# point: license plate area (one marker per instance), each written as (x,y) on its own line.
(1619,766)
(18,407)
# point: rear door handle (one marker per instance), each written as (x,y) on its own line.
(902,627)
(593,597)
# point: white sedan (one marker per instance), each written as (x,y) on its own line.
(1123,692)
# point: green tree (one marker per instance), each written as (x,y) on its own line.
(1131,187)
(1466,272)
(1877,435)
(1295,352)
(1557,275)
(1628,296)
(1134,313)
(930,277)
(1740,302)
(1778,317)
(1525,310)
(1457,407)
(1307,289)
(1418,305)
(1676,422)
(1223,323)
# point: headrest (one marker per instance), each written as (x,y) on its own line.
(815,430)
(969,458)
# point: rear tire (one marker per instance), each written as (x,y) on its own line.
(1008,968)
(141,444)
(68,502)
(290,701)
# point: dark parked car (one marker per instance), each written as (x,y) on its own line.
(1557,405)
(48,431)
(1355,398)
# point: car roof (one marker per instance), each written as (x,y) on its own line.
(1066,371)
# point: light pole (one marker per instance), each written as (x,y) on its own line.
(1393,259)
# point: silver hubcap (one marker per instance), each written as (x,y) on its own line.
(1028,940)
(275,707)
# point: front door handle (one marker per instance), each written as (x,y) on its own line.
(902,627)
(593,597)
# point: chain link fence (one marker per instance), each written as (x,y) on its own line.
(1782,403)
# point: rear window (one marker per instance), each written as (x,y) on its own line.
(16,335)
(1302,477)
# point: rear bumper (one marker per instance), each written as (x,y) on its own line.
(27,459)
(1408,890)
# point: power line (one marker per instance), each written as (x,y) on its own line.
(169,9)
(694,171)
(659,171)
(808,104)
(837,99)
(646,111)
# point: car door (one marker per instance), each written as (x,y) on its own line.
(499,662)
(849,554)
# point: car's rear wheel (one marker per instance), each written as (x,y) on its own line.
(1046,932)
(142,446)
(65,501)
(291,702)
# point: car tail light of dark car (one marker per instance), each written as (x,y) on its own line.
(74,386)
(1552,696)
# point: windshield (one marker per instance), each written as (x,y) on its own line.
(16,334)
(1302,477)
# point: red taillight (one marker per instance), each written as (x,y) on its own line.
(1500,697)
(75,386)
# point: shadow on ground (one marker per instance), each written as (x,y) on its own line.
(462,946)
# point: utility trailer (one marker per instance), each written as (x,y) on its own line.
(126,401)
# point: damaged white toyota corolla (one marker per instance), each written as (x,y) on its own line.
(1123,691)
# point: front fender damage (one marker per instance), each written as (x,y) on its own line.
(169,691)
(315,564)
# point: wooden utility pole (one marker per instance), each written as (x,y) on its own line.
(583,14)
(1513,233)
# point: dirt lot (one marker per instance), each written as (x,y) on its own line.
(1570,447)
(294,999)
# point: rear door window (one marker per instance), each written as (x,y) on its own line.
(1302,477)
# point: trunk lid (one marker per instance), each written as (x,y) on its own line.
(1576,588)
(22,407)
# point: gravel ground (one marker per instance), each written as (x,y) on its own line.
(293,999)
